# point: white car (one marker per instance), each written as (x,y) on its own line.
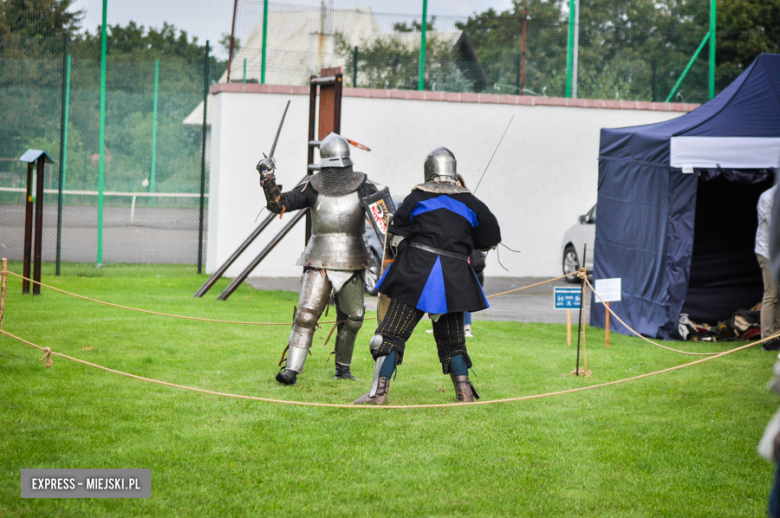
(573,243)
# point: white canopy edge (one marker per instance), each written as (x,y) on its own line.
(725,152)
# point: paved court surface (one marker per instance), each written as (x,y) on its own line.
(144,235)
(531,305)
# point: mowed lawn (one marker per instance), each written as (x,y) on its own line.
(680,444)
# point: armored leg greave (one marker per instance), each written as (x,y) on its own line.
(315,291)
(396,328)
(450,340)
(349,303)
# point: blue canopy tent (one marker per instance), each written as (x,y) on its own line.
(677,207)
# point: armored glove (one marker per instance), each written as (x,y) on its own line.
(266,168)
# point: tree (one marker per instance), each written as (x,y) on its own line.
(38,18)
(746,28)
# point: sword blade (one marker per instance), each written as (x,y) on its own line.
(494,153)
(278,131)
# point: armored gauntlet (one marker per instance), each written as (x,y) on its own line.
(273,194)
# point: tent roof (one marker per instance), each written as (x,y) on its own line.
(748,107)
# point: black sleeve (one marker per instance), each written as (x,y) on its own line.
(487,234)
(367,189)
(402,224)
(302,196)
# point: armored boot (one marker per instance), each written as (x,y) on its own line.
(377,396)
(343,373)
(464,390)
(296,357)
(385,366)
(349,303)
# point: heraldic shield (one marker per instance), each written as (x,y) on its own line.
(380,209)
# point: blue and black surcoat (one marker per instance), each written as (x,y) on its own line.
(433,282)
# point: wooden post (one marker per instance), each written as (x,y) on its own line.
(582,306)
(607,326)
(38,252)
(3,284)
(568,327)
(28,231)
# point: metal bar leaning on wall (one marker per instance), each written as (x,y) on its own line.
(270,246)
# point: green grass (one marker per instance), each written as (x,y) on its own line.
(677,444)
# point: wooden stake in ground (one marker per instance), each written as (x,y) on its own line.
(607,324)
(3,284)
(568,327)
(582,303)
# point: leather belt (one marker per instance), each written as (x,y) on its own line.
(439,251)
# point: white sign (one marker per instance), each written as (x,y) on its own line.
(608,289)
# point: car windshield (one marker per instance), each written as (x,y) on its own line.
(592,215)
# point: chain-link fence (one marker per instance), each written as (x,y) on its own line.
(155,82)
(152,158)
(625,50)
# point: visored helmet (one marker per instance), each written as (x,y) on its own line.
(440,165)
(334,152)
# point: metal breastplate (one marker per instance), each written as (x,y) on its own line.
(337,226)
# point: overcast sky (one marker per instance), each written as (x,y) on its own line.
(209,19)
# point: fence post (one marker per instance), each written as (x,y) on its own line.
(265,34)
(522,53)
(3,286)
(243,78)
(232,33)
(203,157)
(575,53)
(713,23)
(38,239)
(355,68)
(63,144)
(101,151)
(570,48)
(28,232)
(655,79)
(421,78)
(153,170)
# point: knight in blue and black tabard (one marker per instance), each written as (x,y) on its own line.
(335,256)
(440,223)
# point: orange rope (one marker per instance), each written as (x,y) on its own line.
(612,312)
(148,312)
(388,407)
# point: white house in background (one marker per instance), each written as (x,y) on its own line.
(301,43)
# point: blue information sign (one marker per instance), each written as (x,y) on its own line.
(567,298)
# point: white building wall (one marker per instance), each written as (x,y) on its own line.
(542,178)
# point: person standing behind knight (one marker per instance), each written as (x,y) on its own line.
(440,223)
(770,305)
(335,256)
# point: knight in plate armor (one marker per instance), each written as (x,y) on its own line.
(438,225)
(335,256)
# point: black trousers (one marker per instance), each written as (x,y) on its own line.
(401,319)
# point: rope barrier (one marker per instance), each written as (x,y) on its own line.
(48,353)
(581,273)
(200,319)
(148,312)
(526,287)
(612,312)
